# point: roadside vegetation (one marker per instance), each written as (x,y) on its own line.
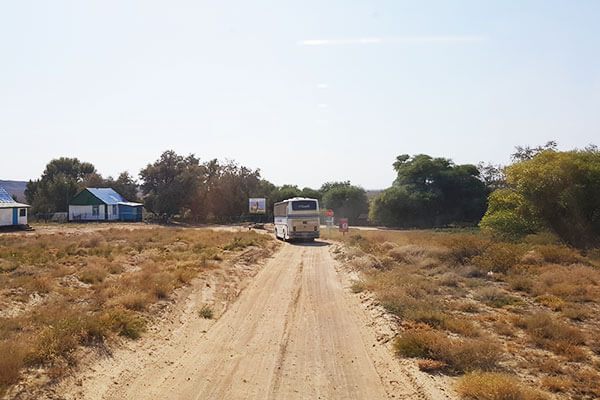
(65,291)
(186,189)
(514,320)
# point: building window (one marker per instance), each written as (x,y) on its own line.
(114,210)
(22,212)
(95,211)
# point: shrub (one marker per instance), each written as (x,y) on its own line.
(459,354)
(495,297)
(498,257)
(137,301)
(509,216)
(495,386)
(12,358)
(576,312)
(557,384)
(206,312)
(558,254)
(92,274)
(462,248)
(520,283)
(545,331)
(357,287)
(124,322)
(551,301)
(238,243)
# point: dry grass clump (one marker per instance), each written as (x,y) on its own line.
(498,257)
(495,386)
(558,254)
(206,312)
(459,355)
(548,332)
(412,254)
(83,289)
(495,297)
(577,283)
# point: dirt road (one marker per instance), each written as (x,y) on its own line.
(294,333)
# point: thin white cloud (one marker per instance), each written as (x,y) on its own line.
(322,85)
(394,39)
(322,105)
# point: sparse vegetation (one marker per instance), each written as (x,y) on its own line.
(206,312)
(495,386)
(68,290)
(469,302)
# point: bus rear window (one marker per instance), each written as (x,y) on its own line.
(304,205)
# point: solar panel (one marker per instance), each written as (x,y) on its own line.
(5,197)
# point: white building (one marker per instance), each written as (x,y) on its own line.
(12,213)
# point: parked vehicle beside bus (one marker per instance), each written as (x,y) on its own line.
(297,218)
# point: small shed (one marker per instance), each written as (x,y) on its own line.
(103,204)
(12,213)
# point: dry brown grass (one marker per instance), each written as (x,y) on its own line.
(496,386)
(459,355)
(82,289)
(538,300)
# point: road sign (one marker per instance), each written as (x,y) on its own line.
(257,205)
(329,213)
(343,225)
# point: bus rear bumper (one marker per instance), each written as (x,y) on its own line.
(303,235)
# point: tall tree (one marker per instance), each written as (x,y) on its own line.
(61,180)
(346,200)
(171,183)
(560,190)
(125,185)
(431,192)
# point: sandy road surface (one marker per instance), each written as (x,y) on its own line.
(294,333)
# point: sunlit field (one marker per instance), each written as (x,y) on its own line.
(62,291)
(509,320)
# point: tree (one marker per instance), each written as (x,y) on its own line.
(492,175)
(509,215)
(227,188)
(171,183)
(61,180)
(345,200)
(125,185)
(431,192)
(564,190)
(285,192)
(524,153)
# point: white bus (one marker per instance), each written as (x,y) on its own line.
(297,218)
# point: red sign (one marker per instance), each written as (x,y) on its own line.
(343,224)
(329,213)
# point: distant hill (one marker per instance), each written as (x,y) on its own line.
(16,188)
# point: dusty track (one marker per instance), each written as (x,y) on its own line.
(294,333)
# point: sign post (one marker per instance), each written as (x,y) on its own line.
(344,225)
(329,220)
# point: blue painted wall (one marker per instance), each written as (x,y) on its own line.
(130,213)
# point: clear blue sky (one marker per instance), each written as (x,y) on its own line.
(306,91)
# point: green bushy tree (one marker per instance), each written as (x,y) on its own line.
(431,192)
(61,180)
(346,200)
